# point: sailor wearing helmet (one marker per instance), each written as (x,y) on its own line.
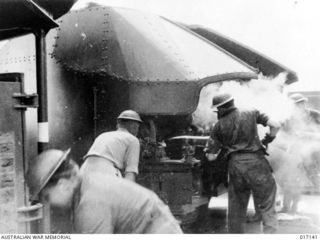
(100,203)
(249,171)
(116,152)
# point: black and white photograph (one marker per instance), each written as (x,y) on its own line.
(159,117)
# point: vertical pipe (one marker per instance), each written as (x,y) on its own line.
(41,69)
(44,225)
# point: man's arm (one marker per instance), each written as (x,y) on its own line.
(132,160)
(273,130)
(131,176)
(212,146)
(274,127)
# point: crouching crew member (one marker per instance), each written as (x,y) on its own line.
(249,170)
(101,203)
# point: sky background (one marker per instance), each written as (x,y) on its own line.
(287,31)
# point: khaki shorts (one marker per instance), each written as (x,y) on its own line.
(100,164)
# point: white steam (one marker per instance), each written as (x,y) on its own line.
(263,94)
(295,154)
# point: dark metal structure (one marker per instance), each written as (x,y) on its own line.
(163,76)
(21,17)
(17,18)
(102,60)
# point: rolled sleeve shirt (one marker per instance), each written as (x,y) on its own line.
(119,147)
(237,131)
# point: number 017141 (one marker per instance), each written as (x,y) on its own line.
(309,236)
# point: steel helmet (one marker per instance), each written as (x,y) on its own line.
(129,115)
(221,99)
(297,97)
(42,169)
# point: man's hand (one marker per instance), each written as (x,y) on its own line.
(267,139)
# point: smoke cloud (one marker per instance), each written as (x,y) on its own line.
(295,154)
(263,94)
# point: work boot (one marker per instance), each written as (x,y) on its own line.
(254,218)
